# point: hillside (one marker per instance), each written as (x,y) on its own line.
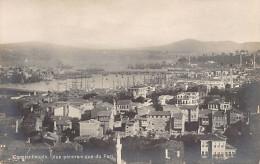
(45,54)
(195,46)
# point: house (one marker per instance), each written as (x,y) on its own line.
(187,98)
(131,128)
(219,104)
(205,121)
(141,111)
(163,99)
(178,123)
(158,121)
(67,109)
(174,152)
(32,124)
(215,147)
(61,123)
(138,91)
(106,118)
(234,115)
(203,91)
(191,112)
(101,107)
(123,106)
(212,84)
(91,128)
(9,125)
(51,138)
(141,123)
(219,120)
(83,104)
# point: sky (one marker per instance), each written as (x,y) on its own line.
(128,23)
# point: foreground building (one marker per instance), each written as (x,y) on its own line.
(215,147)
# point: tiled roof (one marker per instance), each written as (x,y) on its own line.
(177,115)
(210,137)
(104,113)
(218,114)
(137,117)
(159,113)
(215,101)
(124,102)
(189,107)
(229,146)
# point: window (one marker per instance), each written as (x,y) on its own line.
(202,153)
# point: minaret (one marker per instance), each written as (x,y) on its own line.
(118,149)
(231,76)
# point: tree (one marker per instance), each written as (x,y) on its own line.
(192,126)
(140,99)
(89,95)
(172,101)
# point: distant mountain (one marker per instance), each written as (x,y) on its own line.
(45,54)
(195,46)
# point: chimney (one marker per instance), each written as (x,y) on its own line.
(231,76)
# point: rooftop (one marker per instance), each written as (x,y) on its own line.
(124,102)
(159,113)
(210,137)
(189,107)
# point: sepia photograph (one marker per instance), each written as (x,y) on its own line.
(130,81)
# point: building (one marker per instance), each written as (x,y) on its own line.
(51,138)
(234,115)
(32,124)
(215,147)
(158,121)
(174,152)
(178,123)
(212,84)
(61,123)
(218,104)
(219,120)
(106,118)
(187,98)
(131,128)
(67,109)
(138,91)
(141,125)
(91,128)
(123,106)
(163,99)
(205,122)
(203,91)
(191,112)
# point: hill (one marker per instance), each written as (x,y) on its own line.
(195,46)
(45,54)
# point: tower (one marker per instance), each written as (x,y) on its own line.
(118,149)
(231,76)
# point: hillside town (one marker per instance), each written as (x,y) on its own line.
(180,115)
